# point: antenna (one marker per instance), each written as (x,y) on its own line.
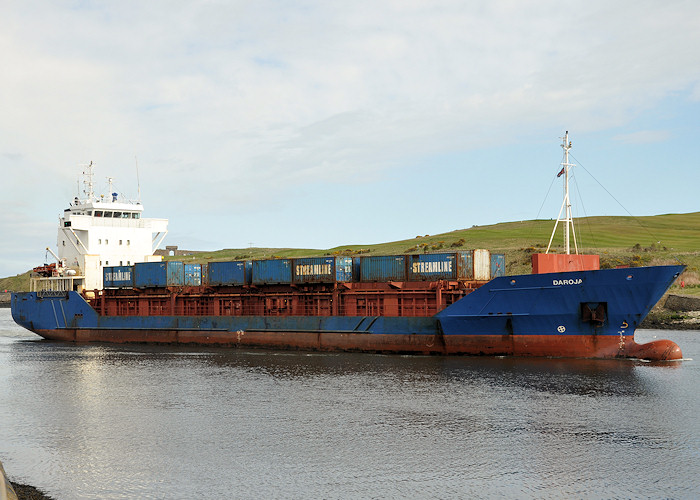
(87,181)
(112,195)
(138,182)
(568,219)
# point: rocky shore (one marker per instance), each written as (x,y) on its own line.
(17,491)
(675,312)
(671,322)
(26,492)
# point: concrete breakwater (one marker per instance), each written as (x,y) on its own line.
(678,312)
(682,303)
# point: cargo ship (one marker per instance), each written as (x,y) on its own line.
(446,303)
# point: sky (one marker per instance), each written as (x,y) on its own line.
(315,124)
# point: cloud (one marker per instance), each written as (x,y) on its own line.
(218,81)
(231,101)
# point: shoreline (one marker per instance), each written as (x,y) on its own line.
(12,490)
(669,324)
(28,492)
(674,312)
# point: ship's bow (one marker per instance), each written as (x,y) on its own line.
(589,314)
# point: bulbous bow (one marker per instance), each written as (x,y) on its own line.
(656,350)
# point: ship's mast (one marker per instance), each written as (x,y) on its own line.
(566,204)
(87,181)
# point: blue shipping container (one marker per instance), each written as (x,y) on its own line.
(149,274)
(270,272)
(193,274)
(322,269)
(205,274)
(433,266)
(465,264)
(230,273)
(176,273)
(343,269)
(159,274)
(118,277)
(498,265)
(356,269)
(383,268)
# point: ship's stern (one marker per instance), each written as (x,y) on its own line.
(51,314)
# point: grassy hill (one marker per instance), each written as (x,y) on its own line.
(632,241)
(15,283)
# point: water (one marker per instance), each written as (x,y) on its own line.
(104,421)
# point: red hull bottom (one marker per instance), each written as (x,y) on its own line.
(564,346)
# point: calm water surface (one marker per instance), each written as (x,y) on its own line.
(104,421)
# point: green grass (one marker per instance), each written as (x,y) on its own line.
(633,241)
(17,283)
(660,239)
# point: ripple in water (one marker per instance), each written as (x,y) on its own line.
(139,421)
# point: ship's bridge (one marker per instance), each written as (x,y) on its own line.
(109,209)
(106,230)
(99,231)
(123,214)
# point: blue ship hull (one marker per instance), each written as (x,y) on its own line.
(574,314)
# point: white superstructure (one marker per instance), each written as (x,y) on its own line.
(95,232)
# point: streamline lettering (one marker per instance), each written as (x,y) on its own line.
(432,267)
(313,269)
(118,275)
(577,281)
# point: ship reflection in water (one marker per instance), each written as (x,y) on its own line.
(143,421)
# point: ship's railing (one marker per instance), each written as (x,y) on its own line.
(56,284)
(46,294)
(397,302)
(84,222)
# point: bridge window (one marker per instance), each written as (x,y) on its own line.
(108,214)
(98,213)
(117,215)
